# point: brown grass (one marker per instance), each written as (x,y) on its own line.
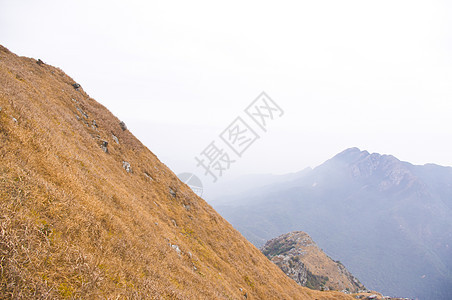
(75,224)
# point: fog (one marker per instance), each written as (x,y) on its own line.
(370,74)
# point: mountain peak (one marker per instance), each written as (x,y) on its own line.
(386,170)
(351,150)
(350,155)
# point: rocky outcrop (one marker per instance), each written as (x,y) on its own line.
(297,255)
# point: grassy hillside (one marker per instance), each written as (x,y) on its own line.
(74,223)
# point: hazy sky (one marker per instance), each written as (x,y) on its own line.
(371,74)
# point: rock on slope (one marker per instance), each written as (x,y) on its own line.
(297,255)
(86,211)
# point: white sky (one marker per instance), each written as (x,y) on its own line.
(371,74)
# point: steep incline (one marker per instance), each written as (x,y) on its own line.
(86,211)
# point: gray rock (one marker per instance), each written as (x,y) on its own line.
(148,176)
(127,166)
(123,126)
(115,138)
(84,114)
(104,145)
(172,193)
(76,86)
(176,248)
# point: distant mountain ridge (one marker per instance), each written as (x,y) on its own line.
(389,221)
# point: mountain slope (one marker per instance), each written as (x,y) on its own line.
(86,211)
(302,260)
(387,220)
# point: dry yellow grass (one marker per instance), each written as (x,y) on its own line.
(75,224)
